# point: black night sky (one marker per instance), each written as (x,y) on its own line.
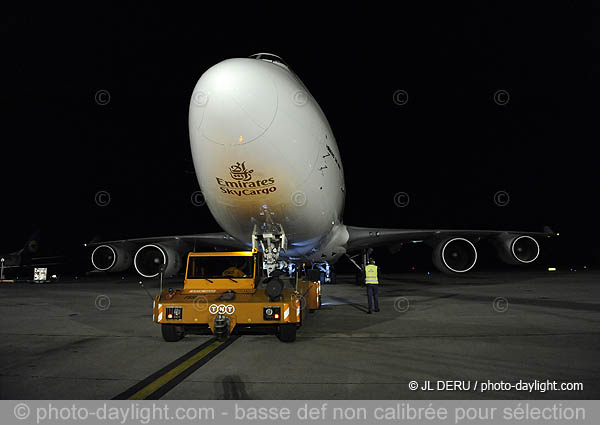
(451,146)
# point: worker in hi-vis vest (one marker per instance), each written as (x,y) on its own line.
(372,283)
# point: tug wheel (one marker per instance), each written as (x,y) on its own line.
(287,332)
(171,333)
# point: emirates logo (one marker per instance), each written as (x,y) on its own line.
(239,172)
(242,184)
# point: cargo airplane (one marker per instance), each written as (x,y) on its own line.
(271,173)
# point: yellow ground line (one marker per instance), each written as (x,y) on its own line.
(159,382)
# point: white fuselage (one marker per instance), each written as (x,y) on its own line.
(263,150)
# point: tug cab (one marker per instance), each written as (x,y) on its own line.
(227,292)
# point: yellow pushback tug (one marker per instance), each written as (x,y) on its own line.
(226,291)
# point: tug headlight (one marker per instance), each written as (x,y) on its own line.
(174,313)
(271,313)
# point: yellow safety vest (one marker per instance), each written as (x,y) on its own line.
(371,275)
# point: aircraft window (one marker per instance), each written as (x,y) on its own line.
(269,58)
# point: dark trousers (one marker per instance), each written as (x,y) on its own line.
(373,292)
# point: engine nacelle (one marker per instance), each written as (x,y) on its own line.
(148,260)
(111,258)
(454,255)
(515,249)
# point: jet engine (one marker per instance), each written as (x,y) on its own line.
(454,255)
(149,259)
(111,258)
(515,249)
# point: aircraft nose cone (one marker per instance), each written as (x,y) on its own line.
(234,102)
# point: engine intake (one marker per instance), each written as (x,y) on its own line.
(455,255)
(525,249)
(149,258)
(111,258)
(518,249)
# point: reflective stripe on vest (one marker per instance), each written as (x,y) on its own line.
(371,275)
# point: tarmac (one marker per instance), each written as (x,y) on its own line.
(93,338)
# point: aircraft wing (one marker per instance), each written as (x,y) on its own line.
(24,255)
(210,240)
(366,237)
(454,250)
(150,255)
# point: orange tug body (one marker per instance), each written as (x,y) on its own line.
(226,292)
